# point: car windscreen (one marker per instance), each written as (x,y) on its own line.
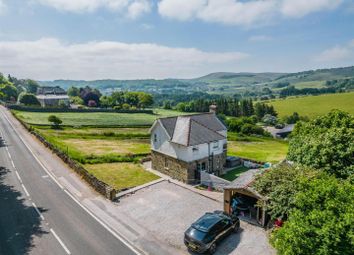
(196,234)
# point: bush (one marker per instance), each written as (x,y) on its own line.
(28,99)
(55,121)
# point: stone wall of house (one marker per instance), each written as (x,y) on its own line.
(177,169)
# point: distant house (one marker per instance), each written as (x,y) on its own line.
(183,146)
(282,132)
(52,96)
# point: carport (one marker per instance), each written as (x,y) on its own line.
(242,189)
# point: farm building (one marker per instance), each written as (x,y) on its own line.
(52,96)
(183,146)
(281,132)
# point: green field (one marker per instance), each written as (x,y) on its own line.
(121,175)
(313,106)
(259,149)
(96,118)
(310,84)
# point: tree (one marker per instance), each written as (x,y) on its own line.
(55,121)
(31,86)
(28,99)
(322,220)
(325,143)
(9,90)
(280,184)
(269,119)
(145,100)
(76,100)
(73,92)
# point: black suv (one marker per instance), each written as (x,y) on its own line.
(204,234)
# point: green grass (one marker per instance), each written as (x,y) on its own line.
(234,173)
(313,106)
(96,118)
(309,84)
(259,149)
(121,175)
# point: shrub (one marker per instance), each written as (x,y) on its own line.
(55,121)
(28,99)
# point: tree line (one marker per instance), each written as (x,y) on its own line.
(118,100)
(229,106)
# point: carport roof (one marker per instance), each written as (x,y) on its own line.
(245,180)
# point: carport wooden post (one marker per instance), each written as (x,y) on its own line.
(227,201)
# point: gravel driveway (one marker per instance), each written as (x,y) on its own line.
(166,210)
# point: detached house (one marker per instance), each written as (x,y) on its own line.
(183,146)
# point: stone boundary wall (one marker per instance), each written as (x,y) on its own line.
(101,187)
(213,181)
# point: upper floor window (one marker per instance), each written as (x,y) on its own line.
(195,149)
(216,145)
(155,138)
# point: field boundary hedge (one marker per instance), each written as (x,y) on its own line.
(100,186)
(38,109)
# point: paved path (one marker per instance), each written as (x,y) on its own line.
(38,214)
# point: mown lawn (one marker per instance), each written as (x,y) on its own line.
(260,149)
(121,175)
(234,173)
(313,106)
(101,147)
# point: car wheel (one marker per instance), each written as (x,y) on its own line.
(212,248)
(237,227)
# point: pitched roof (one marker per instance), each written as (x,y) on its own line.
(195,129)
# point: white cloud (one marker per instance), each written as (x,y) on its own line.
(260,38)
(134,8)
(337,53)
(300,8)
(52,59)
(237,12)
(180,9)
(2,7)
(138,8)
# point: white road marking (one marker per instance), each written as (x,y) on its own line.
(13,164)
(24,188)
(18,177)
(39,213)
(103,224)
(60,241)
(72,197)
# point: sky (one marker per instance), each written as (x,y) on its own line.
(139,39)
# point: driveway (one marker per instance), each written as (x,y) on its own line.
(165,210)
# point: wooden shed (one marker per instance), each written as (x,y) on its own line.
(242,188)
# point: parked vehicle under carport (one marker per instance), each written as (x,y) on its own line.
(207,231)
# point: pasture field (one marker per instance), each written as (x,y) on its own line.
(310,84)
(100,147)
(121,175)
(313,106)
(96,118)
(259,149)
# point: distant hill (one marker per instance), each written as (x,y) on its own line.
(217,83)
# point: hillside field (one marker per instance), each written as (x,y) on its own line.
(313,106)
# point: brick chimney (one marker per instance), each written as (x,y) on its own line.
(213,108)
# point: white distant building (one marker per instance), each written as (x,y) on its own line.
(183,146)
(52,96)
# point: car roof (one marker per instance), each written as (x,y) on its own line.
(207,221)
